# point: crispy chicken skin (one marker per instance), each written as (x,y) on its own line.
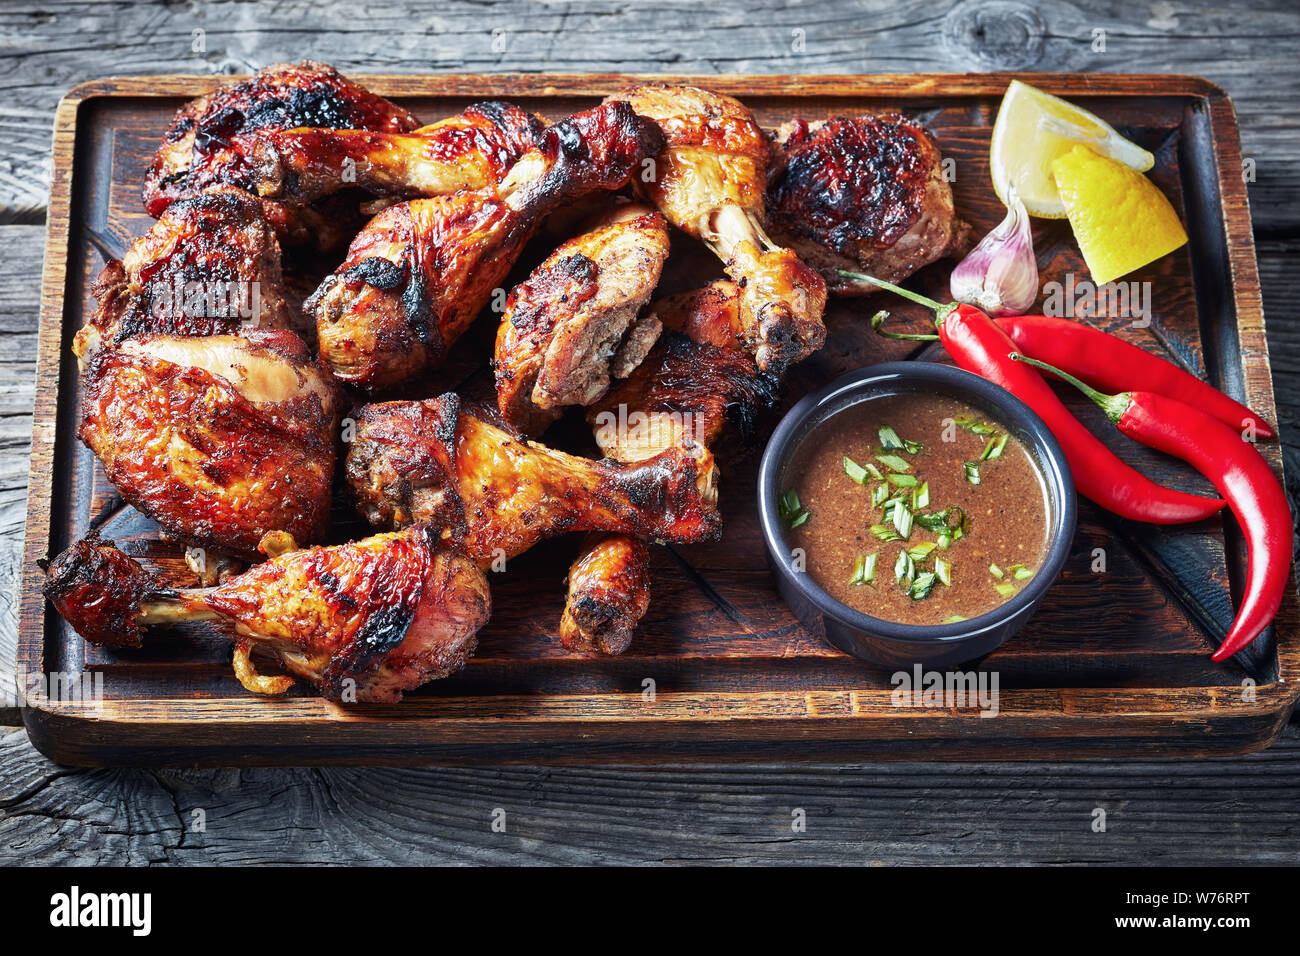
(362,621)
(421,271)
(429,462)
(473,150)
(219,439)
(863,193)
(709,181)
(209,141)
(609,592)
(210,264)
(574,323)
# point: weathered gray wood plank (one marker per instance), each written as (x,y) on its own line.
(1226,811)
(51,46)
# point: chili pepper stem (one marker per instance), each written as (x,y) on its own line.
(878,321)
(1113,405)
(938,308)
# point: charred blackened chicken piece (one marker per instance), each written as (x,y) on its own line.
(430,462)
(364,621)
(694,382)
(709,181)
(864,193)
(210,264)
(220,439)
(574,324)
(473,150)
(418,274)
(212,138)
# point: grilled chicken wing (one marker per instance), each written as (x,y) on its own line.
(430,462)
(709,182)
(694,381)
(209,141)
(473,150)
(363,621)
(573,324)
(210,264)
(419,273)
(220,439)
(862,193)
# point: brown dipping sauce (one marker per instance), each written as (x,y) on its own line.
(1003,519)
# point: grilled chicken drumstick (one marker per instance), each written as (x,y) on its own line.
(419,273)
(709,182)
(210,141)
(430,462)
(363,621)
(220,439)
(473,150)
(573,324)
(210,264)
(863,193)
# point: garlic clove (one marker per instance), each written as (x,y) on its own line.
(1000,275)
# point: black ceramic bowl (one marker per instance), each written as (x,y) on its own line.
(888,642)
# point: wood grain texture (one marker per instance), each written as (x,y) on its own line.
(1239,809)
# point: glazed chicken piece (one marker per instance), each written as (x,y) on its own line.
(864,193)
(695,381)
(220,439)
(709,182)
(573,324)
(209,141)
(474,150)
(210,264)
(363,621)
(420,272)
(430,462)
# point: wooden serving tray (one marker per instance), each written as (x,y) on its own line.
(1114,663)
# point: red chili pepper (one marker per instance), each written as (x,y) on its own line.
(1113,365)
(1240,473)
(977,344)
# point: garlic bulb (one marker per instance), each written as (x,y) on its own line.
(1000,275)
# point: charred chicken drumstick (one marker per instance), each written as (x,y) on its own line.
(419,273)
(573,324)
(430,462)
(363,621)
(709,181)
(210,264)
(211,139)
(220,439)
(863,193)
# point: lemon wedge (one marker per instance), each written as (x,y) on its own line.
(1120,218)
(1033,128)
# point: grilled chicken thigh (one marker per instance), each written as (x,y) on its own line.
(419,273)
(864,193)
(573,324)
(430,462)
(363,621)
(209,142)
(210,264)
(473,150)
(220,439)
(709,181)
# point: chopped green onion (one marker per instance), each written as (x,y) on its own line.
(904,570)
(979,428)
(922,586)
(889,438)
(921,551)
(996,571)
(994,448)
(894,463)
(1022,574)
(885,533)
(864,570)
(955,619)
(855,471)
(945,540)
(903,519)
(921,497)
(1006,589)
(944,570)
(879,494)
(972,472)
(791,510)
(902,481)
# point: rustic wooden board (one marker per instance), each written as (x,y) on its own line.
(1114,663)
